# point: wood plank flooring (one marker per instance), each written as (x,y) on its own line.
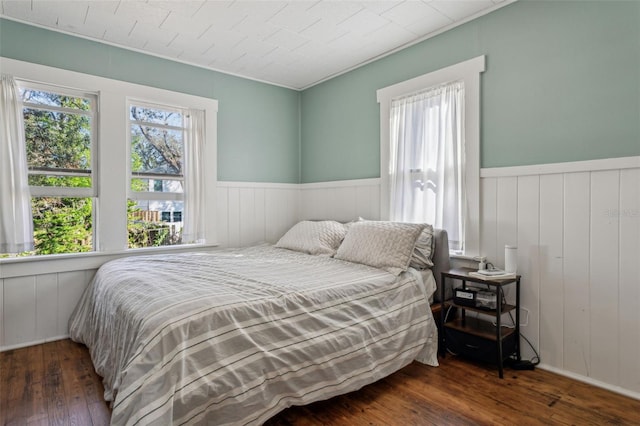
(54,384)
(51,384)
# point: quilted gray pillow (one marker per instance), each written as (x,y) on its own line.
(422,257)
(317,238)
(381,244)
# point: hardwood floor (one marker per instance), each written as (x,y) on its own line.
(54,383)
(51,384)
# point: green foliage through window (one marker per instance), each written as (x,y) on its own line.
(62,225)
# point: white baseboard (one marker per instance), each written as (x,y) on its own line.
(591,381)
(33,343)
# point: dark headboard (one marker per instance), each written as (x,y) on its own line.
(441,261)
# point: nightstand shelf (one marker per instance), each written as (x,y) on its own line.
(479,328)
(483,339)
(505,308)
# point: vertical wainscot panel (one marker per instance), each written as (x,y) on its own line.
(281,212)
(488,218)
(551,280)
(343,201)
(19,310)
(603,270)
(248,231)
(629,297)
(47,306)
(258,227)
(576,221)
(528,259)
(314,203)
(222,216)
(506,217)
(233,215)
(368,201)
(71,285)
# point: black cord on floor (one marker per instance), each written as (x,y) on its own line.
(536,359)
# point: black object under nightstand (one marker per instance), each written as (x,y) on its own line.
(477,338)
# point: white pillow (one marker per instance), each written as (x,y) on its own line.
(422,257)
(381,244)
(318,238)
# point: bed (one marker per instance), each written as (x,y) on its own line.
(237,335)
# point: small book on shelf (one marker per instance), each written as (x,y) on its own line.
(492,274)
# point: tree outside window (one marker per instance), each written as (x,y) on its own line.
(157,196)
(59,133)
(61,141)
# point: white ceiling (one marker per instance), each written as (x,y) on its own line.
(295,44)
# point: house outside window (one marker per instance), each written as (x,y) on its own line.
(156,201)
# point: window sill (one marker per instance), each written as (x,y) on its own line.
(56,263)
(457,255)
(463,260)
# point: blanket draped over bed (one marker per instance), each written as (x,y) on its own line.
(233,337)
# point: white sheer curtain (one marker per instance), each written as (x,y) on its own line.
(16,223)
(427,159)
(193,230)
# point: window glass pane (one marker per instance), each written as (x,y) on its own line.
(156,150)
(58,134)
(39,97)
(62,181)
(156,116)
(57,140)
(154,223)
(62,225)
(156,185)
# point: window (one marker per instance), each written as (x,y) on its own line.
(82,195)
(427,159)
(60,136)
(413,185)
(156,201)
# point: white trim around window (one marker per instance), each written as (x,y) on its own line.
(468,71)
(113,179)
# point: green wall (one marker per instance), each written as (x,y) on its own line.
(562,84)
(258,124)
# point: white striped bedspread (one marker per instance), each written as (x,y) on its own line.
(234,337)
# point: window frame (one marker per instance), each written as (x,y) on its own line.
(469,72)
(39,191)
(153,195)
(110,223)
(93,97)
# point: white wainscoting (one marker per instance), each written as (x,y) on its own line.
(36,308)
(578,238)
(576,225)
(577,228)
(251,213)
(342,200)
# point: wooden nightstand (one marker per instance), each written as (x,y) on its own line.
(482,339)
